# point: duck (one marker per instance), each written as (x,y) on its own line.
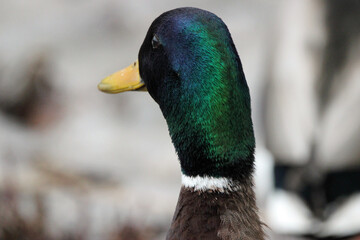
(189,65)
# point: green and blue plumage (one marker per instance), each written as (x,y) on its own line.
(197,79)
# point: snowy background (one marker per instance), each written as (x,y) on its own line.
(101,161)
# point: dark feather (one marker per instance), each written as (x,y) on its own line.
(215,215)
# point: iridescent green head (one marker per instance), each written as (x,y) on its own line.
(191,68)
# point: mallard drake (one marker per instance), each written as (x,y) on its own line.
(189,65)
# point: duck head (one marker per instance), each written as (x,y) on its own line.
(189,65)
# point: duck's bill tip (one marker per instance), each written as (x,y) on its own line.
(127,79)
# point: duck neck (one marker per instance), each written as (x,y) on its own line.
(213,136)
(216,208)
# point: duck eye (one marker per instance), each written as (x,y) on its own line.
(155,42)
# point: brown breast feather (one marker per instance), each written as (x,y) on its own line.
(214,215)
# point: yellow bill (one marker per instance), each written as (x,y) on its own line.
(127,79)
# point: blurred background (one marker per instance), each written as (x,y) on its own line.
(79,164)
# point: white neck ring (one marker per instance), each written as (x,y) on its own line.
(207,183)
